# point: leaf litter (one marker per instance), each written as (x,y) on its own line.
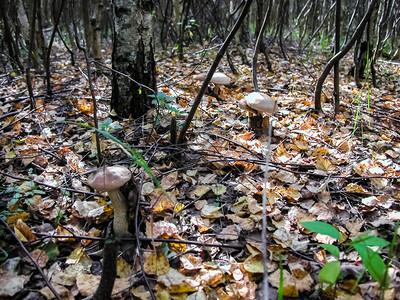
(343,171)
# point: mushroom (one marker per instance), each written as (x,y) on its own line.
(110,179)
(258,103)
(219,79)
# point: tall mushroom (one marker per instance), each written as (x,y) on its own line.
(218,79)
(258,103)
(110,179)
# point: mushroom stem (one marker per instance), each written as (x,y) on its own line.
(120,212)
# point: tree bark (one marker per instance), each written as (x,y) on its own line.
(339,55)
(133,55)
(95,22)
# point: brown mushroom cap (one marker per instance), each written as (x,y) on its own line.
(109,178)
(260,102)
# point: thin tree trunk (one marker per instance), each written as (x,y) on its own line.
(48,51)
(28,67)
(337,49)
(259,42)
(10,40)
(95,22)
(338,56)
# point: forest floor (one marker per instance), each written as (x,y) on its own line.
(343,170)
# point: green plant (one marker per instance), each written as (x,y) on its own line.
(324,42)
(367,246)
(280,289)
(165,102)
(109,125)
(24,192)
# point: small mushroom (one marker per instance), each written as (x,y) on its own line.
(110,179)
(258,103)
(218,79)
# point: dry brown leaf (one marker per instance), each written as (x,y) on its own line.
(289,283)
(211,212)
(229,233)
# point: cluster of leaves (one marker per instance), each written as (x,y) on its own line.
(208,200)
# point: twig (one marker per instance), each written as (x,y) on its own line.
(23,117)
(32,259)
(94,101)
(124,75)
(48,185)
(140,239)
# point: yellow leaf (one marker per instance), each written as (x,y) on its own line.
(142,293)
(163,205)
(20,235)
(24,230)
(178,207)
(253,264)
(12,219)
(176,282)
(10,154)
(76,256)
(320,151)
(323,164)
(123,268)
(156,263)
(354,188)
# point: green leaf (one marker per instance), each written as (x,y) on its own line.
(280,289)
(161,95)
(372,262)
(322,228)
(39,192)
(370,240)
(51,250)
(332,249)
(330,272)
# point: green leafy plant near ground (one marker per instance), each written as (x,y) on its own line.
(165,102)
(109,125)
(367,246)
(24,193)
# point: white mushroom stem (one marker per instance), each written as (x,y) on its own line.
(120,212)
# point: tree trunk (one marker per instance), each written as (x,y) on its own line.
(133,55)
(339,55)
(337,49)
(95,22)
(85,9)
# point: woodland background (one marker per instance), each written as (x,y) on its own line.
(332,154)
